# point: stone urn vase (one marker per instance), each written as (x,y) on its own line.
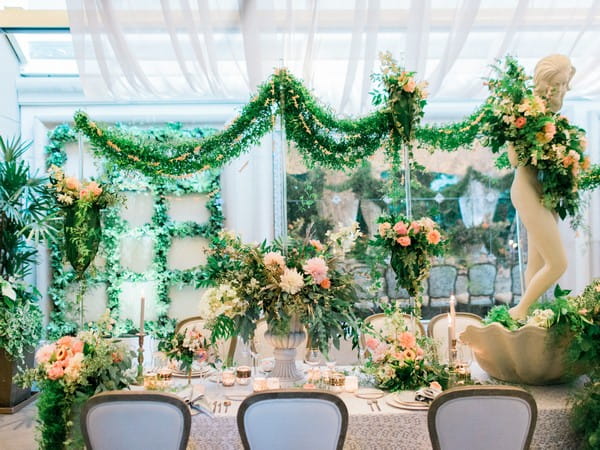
(527,356)
(284,352)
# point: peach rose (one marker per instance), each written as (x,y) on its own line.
(55,371)
(415,226)
(434,237)
(316,244)
(44,354)
(583,142)
(72,183)
(116,357)
(372,343)
(401,228)
(585,165)
(77,346)
(383,228)
(410,85)
(325,284)
(520,122)
(94,188)
(435,385)
(409,354)
(550,129)
(404,241)
(65,341)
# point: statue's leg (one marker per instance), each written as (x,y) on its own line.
(544,236)
(535,262)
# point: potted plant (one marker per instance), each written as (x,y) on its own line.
(25,208)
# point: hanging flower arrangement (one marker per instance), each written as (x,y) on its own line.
(81,202)
(412,244)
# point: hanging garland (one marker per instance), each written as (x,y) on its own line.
(161,228)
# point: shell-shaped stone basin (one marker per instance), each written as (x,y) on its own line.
(527,356)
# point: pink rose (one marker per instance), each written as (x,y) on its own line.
(404,241)
(415,226)
(325,284)
(520,122)
(317,268)
(410,85)
(55,371)
(77,346)
(65,341)
(407,340)
(44,354)
(434,237)
(401,228)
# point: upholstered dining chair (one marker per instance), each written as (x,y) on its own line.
(294,419)
(378,322)
(135,420)
(225,348)
(482,418)
(438,329)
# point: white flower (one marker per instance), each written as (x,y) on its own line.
(543,318)
(291,281)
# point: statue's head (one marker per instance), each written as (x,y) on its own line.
(551,78)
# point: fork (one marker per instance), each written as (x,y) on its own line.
(377,405)
(370,403)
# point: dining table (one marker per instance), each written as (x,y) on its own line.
(370,427)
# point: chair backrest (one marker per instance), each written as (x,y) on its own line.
(438,329)
(225,348)
(379,324)
(442,281)
(482,418)
(482,279)
(293,420)
(135,420)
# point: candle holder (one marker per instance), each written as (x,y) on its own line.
(140,358)
(452,354)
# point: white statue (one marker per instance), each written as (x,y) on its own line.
(546,260)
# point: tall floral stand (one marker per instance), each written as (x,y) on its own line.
(285,349)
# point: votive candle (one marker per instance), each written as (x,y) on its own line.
(273,383)
(259,384)
(228,377)
(351,383)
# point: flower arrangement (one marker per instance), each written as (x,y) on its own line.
(69,371)
(282,281)
(186,347)
(81,202)
(542,139)
(405,98)
(576,317)
(411,243)
(399,360)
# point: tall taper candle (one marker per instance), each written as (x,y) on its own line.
(142,307)
(453,316)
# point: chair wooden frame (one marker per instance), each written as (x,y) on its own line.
(232,346)
(137,396)
(442,316)
(292,394)
(479,391)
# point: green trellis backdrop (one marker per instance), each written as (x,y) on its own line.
(115,271)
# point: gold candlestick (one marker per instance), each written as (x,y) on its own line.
(140,357)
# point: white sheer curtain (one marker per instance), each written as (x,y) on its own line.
(222,49)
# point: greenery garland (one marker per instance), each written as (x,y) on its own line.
(161,229)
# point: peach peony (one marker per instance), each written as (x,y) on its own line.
(274,259)
(401,228)
(434,237)
(407,339)
(55,372)
(404,241)
(317,268)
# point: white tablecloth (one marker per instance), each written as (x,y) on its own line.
(391,428)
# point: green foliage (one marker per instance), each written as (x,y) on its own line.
(585,414)
(161,229)
(499,314)
(591,179)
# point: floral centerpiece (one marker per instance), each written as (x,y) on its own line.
(542,139)
(557,341)
(412,244)
(186,347)
(290,283)
(400,360)
(81,202)
(68,372)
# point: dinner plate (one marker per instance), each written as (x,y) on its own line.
(369,393)
(237,396)
(195,373)
(406,400)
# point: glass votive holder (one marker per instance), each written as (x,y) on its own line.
(351,383)
(336,382)
(164,373)
(242,375)
(259,384)
(314,374)
(273,383)
(267,364)
(228,377)
(326,375)
(150,380)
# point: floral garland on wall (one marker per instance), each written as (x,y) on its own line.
(161,228)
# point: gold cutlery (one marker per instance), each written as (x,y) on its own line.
(370,403)
(214,407)
(227,404)
(377,405)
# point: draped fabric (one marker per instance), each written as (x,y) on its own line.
(209,49)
